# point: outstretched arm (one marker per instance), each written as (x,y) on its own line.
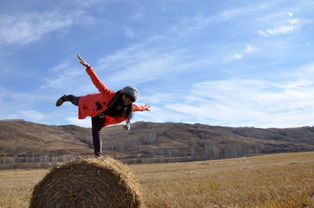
(145,107)
(103,89)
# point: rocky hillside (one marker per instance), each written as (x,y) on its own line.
(150,142)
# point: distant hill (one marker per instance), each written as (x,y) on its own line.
(151,142)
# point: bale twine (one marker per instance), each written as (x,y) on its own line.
(94,182)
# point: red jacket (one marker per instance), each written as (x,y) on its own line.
(94,104)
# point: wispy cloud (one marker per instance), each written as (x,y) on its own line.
(67,78)
(30,27)
(147,69)
(62,77)
(243,11)
(199,46)
(34,106)
(239,102)
(24,105)
(303,73)
(282,27)
(149,60)
(32,115)
(171,50)
(249,49)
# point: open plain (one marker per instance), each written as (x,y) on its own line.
(275,180)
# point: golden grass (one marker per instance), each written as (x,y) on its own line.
(270,181)
(16,186)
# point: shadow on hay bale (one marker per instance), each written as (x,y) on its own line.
(94,182)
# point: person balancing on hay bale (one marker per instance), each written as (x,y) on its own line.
(106,108)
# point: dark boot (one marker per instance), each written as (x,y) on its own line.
(61,100)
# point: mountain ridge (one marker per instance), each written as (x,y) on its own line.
(153,142)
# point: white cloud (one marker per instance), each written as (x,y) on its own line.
(192,24)
(28,106)
(29,115)
(32,115)
(164,54)
(146,61)
(157,97)
(289,26)
(244,10)
(249,49)
(159,114)
(63,80)
(145,70)
(303,73)
(283,29)
(30,27)
(238,102)
(79,122)
(68,79)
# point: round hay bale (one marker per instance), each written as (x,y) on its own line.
(94,182)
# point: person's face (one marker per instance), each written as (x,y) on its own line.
(127,100)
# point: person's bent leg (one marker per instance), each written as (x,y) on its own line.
(96,128)
(71,98)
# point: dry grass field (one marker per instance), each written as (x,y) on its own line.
(279,180)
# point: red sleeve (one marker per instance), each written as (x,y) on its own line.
(103,89)
(139,107)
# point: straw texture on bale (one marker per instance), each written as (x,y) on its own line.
(95,182)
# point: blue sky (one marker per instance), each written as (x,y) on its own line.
(226,63)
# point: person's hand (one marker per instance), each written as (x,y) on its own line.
(84,63)
(147,107)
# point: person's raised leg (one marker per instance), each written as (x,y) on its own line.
(71,98)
